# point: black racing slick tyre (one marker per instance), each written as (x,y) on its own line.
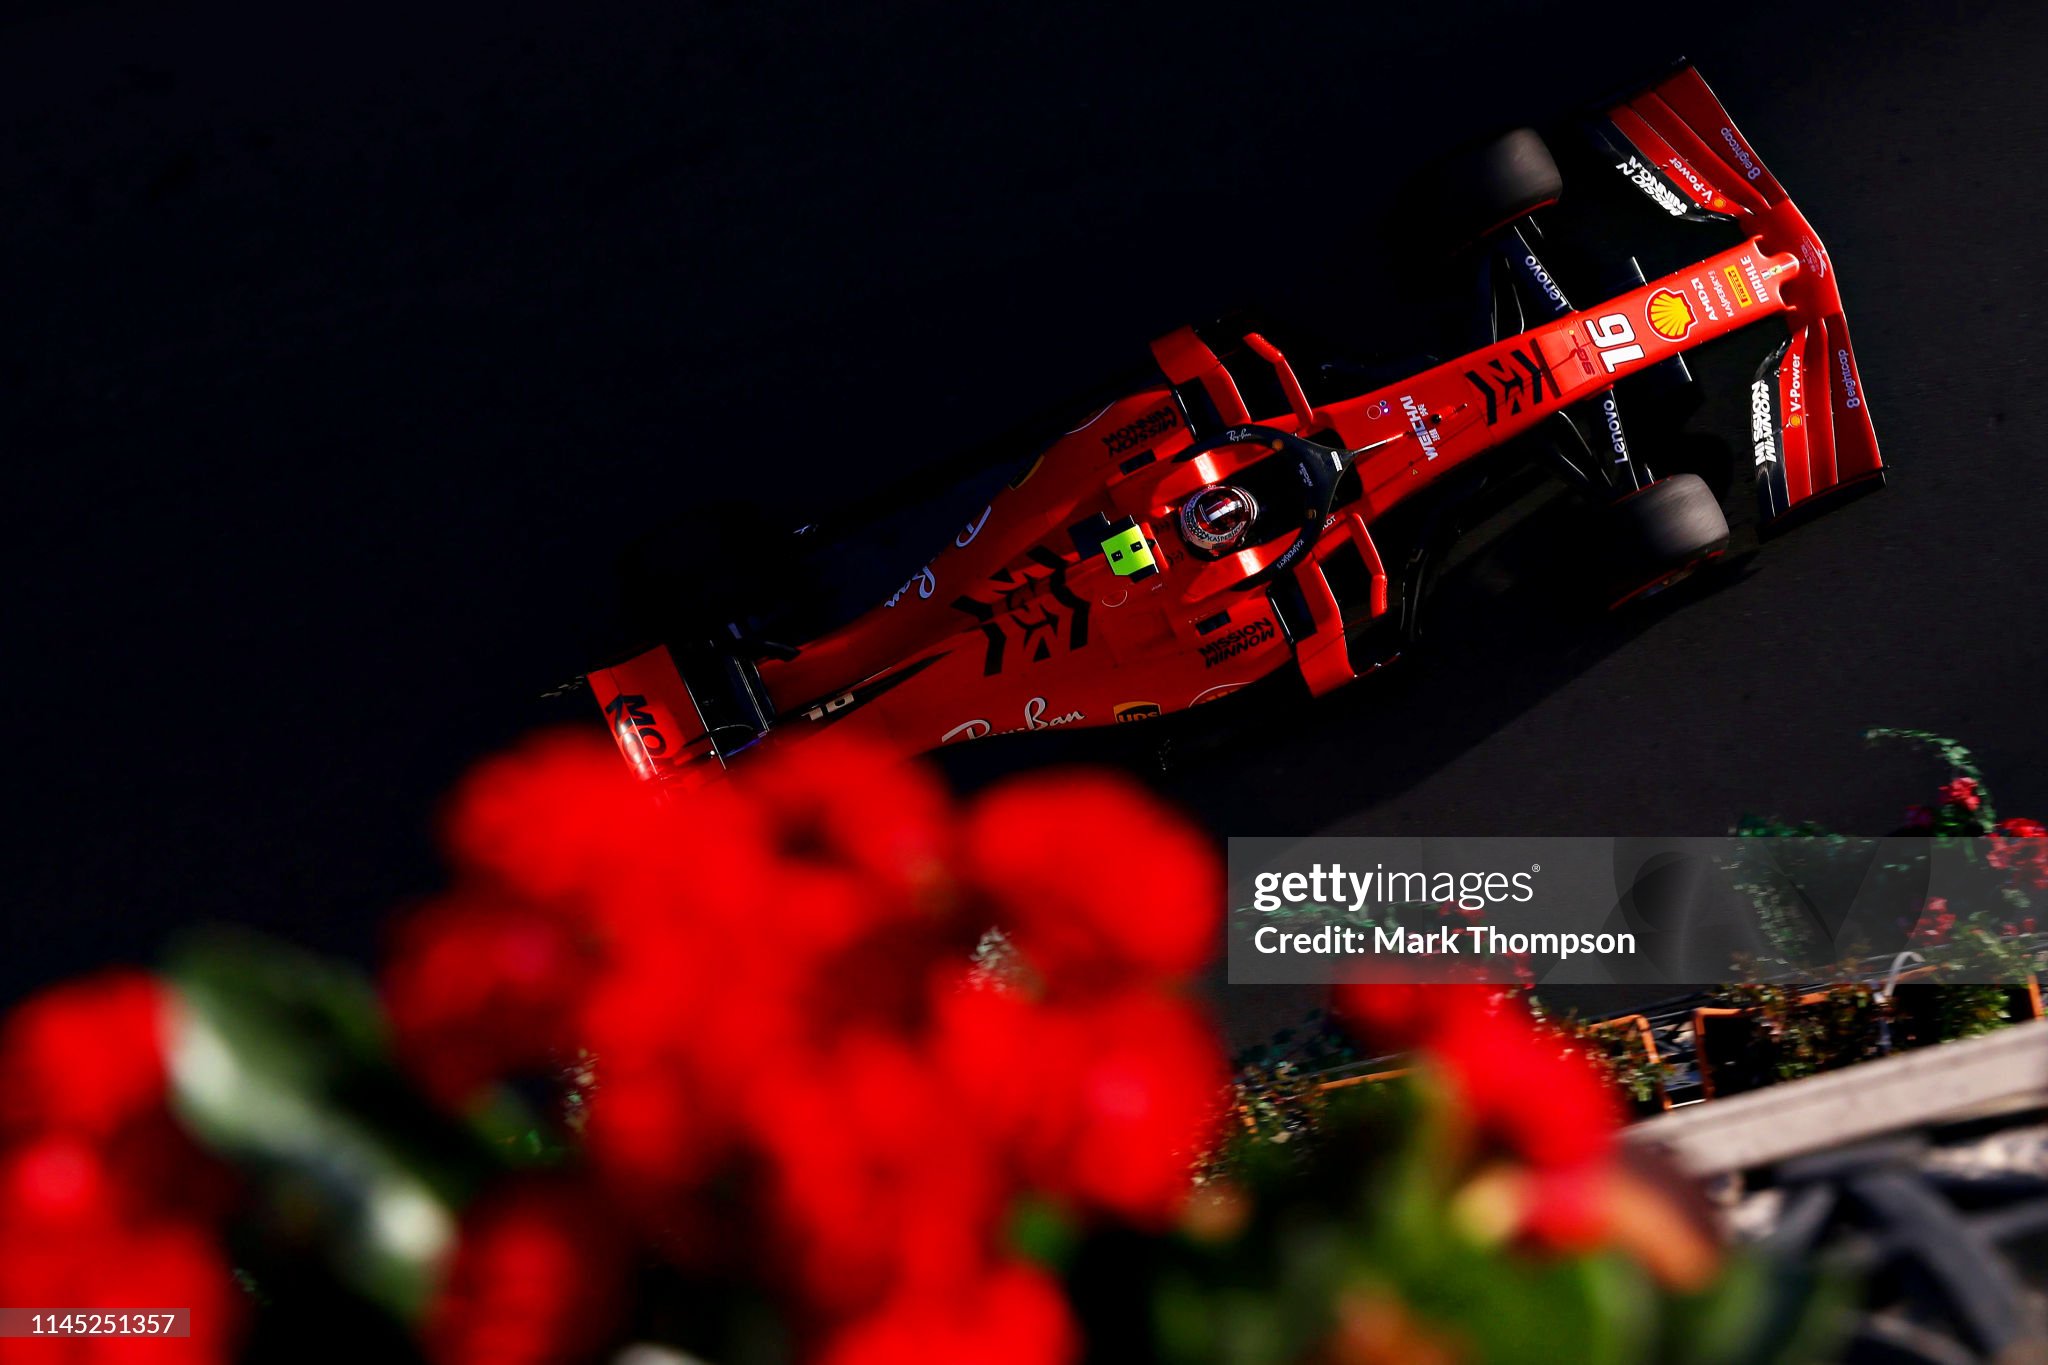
(1663,530)
(1476,191)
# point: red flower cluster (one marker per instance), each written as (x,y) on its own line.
(1522,1090)
(793,1060)
(1962,793)
(1936,922)
(536,1279)
(103,1202)
(1013,1316)
(1958,809)
(2019,846)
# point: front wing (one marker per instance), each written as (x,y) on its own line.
(1810,432)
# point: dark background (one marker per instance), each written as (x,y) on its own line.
(341,351)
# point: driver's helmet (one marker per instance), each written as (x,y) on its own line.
(1217,519)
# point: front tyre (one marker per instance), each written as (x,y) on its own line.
(1476,191)
(1662,532)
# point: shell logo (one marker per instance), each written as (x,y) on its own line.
(1669,315)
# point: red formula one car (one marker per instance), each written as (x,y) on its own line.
(1238,512)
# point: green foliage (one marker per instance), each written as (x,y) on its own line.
(1980,949)
(1367,1219)
(1044,1231)
(281,1064)
(1969,1011)
(1774,863)
(1623,1055)
(1810,1031)
(1959,761)
(1950,752)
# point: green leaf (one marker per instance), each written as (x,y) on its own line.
(1043,1230)
(1761,1310)
(280,1062)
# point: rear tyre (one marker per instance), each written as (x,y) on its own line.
(1660,533)
(1476,191)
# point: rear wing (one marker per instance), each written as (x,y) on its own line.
(1810,429)
(678,713)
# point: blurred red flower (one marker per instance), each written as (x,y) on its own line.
(85,1056)
(104,1203)
(1013,1315)
(1396,1016)
(1568,1209)
(2020,846)
(1525,1088)
(1140,1104)
(1096,879)
(536,1278)
(561,824)
(56,1181)
(836,800)
(1936,922)
(70,1237)
(880,1182)
(771,978)
(1105,1103)
(1518,1086)
(480,988)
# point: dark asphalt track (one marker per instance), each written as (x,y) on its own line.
(339,354)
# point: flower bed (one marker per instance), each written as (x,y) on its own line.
(728,1074)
